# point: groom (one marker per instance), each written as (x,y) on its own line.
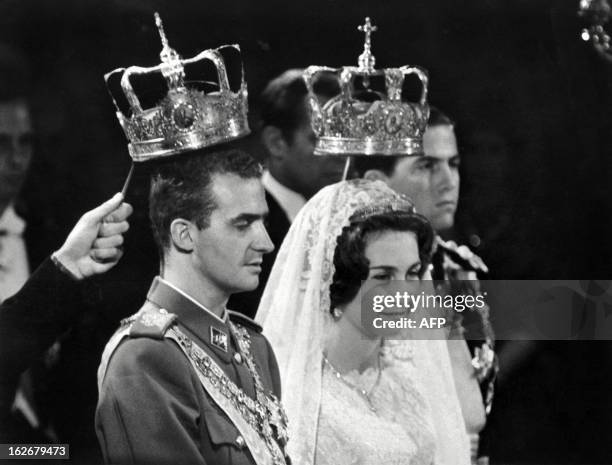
(184,377)
(184,380)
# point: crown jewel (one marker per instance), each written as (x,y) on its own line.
(368,122)
(186,118)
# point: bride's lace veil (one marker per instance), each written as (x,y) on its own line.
(295,314)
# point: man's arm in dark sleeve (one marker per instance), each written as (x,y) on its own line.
(47,304)
(30,321)
(36,316)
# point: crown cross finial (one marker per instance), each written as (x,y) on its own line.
(172,69)
(364,120)
(366,59)
(367,28)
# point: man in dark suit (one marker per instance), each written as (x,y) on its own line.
(16,149)
(25,240)
(294,173)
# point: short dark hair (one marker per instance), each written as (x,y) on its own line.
(15,76)
(438,118)
(281,104)
(351,265)
(181,187)
(387,164)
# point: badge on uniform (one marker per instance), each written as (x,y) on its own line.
(218,338)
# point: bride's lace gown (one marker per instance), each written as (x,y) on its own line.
(330,422)
(393,427)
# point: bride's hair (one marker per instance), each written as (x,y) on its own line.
(350,263)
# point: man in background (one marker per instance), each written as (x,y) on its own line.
(15,155)
(293,173)
(16,150)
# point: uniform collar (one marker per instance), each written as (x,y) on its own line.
(194,316)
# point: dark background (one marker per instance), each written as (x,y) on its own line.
(531,101)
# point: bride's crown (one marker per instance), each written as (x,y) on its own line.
(399,205)
(186,118)
(369,122)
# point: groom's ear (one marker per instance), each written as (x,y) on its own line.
(182,234)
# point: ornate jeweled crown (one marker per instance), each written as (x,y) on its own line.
(186,118)
(369,122)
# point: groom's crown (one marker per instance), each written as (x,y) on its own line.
(368,122)
(186,118)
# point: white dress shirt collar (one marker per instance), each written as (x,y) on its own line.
(11,223)
(290,201)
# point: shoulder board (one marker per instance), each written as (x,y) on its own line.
(151,322)
(244,320)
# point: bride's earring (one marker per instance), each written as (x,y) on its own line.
(337,313)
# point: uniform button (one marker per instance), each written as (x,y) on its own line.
(238,358)
(240,442)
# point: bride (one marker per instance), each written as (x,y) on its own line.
(350,396)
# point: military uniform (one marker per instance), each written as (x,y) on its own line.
(473,361)
(180,385)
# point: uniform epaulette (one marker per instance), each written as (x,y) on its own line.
(244,320)
(151,322)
